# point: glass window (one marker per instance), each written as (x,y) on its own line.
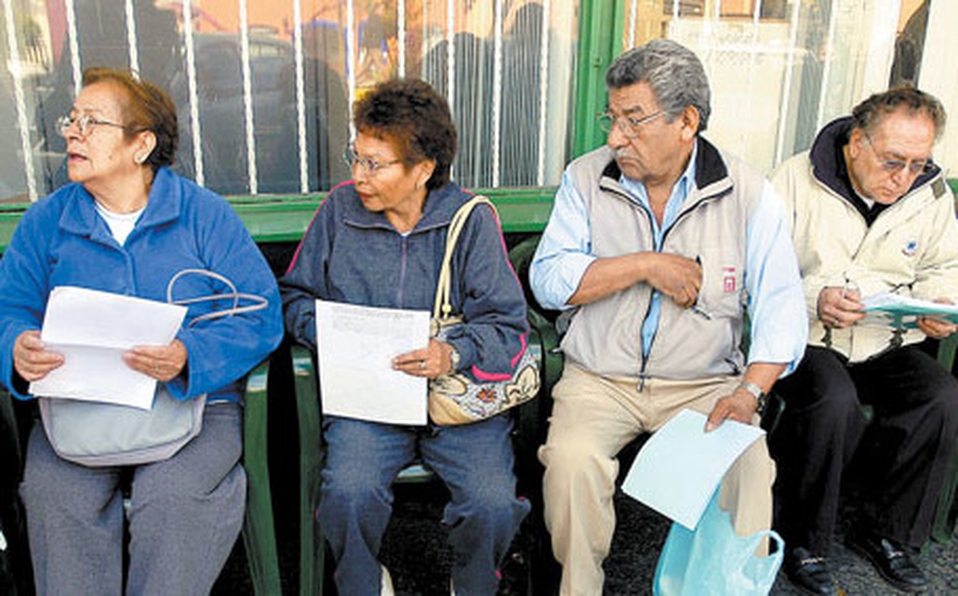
(909,42)
(508,84)
(779,69)
(263,89)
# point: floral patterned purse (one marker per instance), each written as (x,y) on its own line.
(455,398)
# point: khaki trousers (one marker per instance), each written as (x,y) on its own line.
(592,418)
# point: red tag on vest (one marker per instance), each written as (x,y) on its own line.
(728,280)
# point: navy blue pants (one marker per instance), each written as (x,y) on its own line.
(474,460)
(902,455)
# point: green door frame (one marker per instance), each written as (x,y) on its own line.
(601,23)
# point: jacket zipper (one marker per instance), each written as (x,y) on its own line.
(404,254)
(643,357)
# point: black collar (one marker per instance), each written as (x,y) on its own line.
(709,165)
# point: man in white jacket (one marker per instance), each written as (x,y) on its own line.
(870,212)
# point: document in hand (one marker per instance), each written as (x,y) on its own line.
(92,329)
(679,467)
(355,346)
(904,311)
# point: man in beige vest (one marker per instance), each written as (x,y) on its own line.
(658,245)
(870,213)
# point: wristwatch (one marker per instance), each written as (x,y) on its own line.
(453,358)
(761,398)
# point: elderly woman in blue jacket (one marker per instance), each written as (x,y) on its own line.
(378,240)
(126,225)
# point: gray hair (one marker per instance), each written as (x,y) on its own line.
(872,112)
(674,73)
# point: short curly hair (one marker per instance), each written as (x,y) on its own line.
(871,112)
(145,107)
(416,118)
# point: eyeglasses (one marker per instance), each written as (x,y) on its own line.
(368,165)
(893,166)
(85,124)
(628,125)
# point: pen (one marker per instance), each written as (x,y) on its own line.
(699,311)
(897,287)
(695,307)
(849,286)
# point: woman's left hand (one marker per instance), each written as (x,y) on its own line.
(163,363)
(433,361)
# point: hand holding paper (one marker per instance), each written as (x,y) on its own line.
(937,327)
(163,363)
(92,330)
(31,359)
(731,407)
(840,307)
(678,468)
(430,362)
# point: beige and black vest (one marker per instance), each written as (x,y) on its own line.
(605,336)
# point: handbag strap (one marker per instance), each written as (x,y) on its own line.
(257,302)
(442,308)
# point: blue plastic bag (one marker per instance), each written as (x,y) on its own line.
(714,559)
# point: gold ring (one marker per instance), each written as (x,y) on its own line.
(156,369)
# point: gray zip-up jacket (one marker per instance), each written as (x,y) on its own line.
(605,336)
(353,255)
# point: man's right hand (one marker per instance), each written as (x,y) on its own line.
(839,307)
(675,276)
(31,359)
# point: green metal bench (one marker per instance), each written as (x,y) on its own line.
(259,532)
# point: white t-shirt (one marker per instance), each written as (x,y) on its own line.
(120,224)
(868,202)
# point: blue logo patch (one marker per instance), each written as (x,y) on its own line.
(911,247)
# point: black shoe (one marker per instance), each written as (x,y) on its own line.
(890,560)
(809,573)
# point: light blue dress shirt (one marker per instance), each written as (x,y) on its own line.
(779,326)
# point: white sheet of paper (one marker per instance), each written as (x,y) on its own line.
(92,329)
(679,467)
(355,346)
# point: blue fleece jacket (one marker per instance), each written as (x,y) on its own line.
(353,255)
(62,241)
